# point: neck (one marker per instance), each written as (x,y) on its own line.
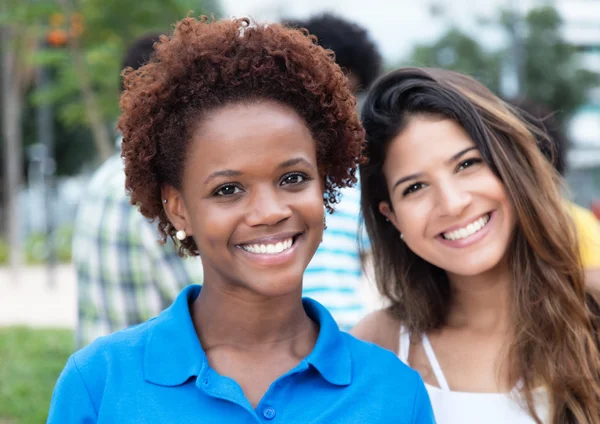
(229,316)
(481,302)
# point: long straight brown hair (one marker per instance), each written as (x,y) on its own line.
(554,322)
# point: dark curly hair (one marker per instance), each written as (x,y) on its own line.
(354,50)
(139,52)
(207,64)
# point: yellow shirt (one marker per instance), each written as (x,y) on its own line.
(588,232)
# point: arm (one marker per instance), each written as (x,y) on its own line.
(71,402)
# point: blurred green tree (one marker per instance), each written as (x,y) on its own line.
(549,71)
(81,44)
(457,51)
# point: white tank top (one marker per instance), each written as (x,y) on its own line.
(473,408)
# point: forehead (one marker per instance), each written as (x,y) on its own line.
(246,136)
(426,141)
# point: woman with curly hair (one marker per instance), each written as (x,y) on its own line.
(236,138)
(476,255)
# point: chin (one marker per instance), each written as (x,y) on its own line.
(276,285)
(472,269)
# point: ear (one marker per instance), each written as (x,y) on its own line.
(175,209)
(387,211)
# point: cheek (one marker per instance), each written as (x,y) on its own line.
(311,205)
(412,216)
(212,225)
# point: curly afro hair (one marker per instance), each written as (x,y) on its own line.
(207,64)
(139,52)
(354,50)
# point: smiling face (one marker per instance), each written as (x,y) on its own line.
(451,209)
(252,198)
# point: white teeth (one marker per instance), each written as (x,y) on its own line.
(269,249)
(469,230)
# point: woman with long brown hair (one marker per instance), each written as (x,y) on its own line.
(476,255)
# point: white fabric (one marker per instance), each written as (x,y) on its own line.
(452,407)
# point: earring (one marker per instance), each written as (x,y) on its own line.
(181,235)
(401,236)
(164,200)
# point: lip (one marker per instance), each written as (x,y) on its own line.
(472,239)
(265,259)
(464,223)
(271,239)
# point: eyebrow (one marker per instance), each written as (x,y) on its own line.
(295,161)
(420,174)
(233,173)
(223,173)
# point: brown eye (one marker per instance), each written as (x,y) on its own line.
(295,178)
(227,190)
(468,163)
(412,188)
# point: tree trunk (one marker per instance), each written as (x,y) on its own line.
(13,160)
(102,140)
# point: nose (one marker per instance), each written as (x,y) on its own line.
(267,207)
(452,198)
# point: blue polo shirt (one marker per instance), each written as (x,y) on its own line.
(157,372)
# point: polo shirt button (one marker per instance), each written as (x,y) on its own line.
(269,413)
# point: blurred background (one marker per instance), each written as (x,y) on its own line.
(60,63)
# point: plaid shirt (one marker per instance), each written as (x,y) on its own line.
(124,275)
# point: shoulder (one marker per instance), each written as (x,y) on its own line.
(388,380)
(105,190)
(108,177)
(379,327)
(120,353)
(583,219)
(90,372)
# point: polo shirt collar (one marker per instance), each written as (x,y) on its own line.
(331,354)
(173,351)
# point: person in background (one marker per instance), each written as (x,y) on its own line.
(555,146)
(124,275)
(355,51)
(236,137)
(335,274)
(472,249)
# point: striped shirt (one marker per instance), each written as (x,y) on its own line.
(334,275)
(124,275)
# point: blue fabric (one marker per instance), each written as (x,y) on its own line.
(157,372)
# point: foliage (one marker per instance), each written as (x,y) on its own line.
(31,361)
(36,247)
(103,30)
(550,75)
(549,72)
(4,256)
(457,51)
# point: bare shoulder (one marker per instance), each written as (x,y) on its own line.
(379,327)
